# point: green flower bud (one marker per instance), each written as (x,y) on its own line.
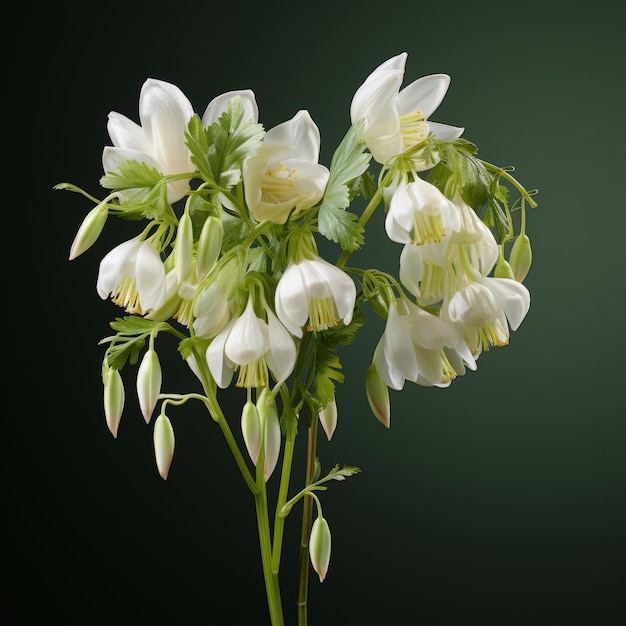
(270,428)
(183,249)
(251,430)
(328,418)
(149,378)
(521,257)
(503,269)
(113,399)
(319,547)
(89,230)
(163,444)
(377,395)
(209,246)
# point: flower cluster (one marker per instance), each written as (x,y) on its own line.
(224,257)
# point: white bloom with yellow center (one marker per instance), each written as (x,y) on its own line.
(285,174)
(159,142)
(398,120)
(252,345)
(316,291)
(134,275)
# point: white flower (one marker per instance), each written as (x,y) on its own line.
(159,142)
(395,120)
(251,345)
(211,311)
(134,275)
(317,291)
(285,173)
(485,309)
(412,348)
(419,213)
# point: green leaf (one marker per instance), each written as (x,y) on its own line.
(349,162)
(219,150)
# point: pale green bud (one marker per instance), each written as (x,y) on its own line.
(209,246)
(163,444)
(319,546)
(183,249)
(89,230)
(113,399)
(521,257)
(149,378)
(328,418)
(503,269)
(378,395)
(251,430)
(270,429)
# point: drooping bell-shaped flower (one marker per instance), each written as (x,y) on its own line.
(316,293)
(159,139)
(252,346)
(285,174)
(397,120)
(412,347)
(211,312)
(419,213)
(134,275)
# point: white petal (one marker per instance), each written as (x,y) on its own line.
(430,331)
(248,338)
(221,369)
(291,300)
(445,132)
(124,133)
(424,94)
(301,133)
(219,105)
(150,276)
(111,266)
(514,298)
(474,305)
(387,371)
(411,267)
(398,346)
(281,358)
(111,158)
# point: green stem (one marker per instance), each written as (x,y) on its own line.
(307,515)
(513,181)
(365,216)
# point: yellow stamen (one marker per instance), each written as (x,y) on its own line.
(322,314)
(414,129)
(253,374)
(126,295)
(279,185)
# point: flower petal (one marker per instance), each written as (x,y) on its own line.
(281,357)
(424,94)
(219,105)
(248,338)
(221,369)
(514,298)
(300,132)
(291,300)
(150,277)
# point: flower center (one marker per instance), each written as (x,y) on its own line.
(127,296)
(279,185)
(427,228)
(487,336)
(253,374)
(322,314)
(414,129)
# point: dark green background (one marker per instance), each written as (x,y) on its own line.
(499,501)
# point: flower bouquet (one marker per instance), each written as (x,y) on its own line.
(225,219)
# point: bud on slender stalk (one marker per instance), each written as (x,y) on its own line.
(503,269)
(328,418)
(319,546)
(184,246)
(521,257)
(251,430)
(149,378)
(209,246)
(163,444)
(270,428)
(89,230)
(377,395)
(113,399)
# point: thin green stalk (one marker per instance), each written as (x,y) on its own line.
(307,516)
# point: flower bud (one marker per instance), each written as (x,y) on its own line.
(89,230)
(183,249)
(163,444)
(113,399)
(503,269)
(319,546)
(209,245)
(328,418)
(270,428)
(521,257)
(149,378)
(377,395)
(251,430)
